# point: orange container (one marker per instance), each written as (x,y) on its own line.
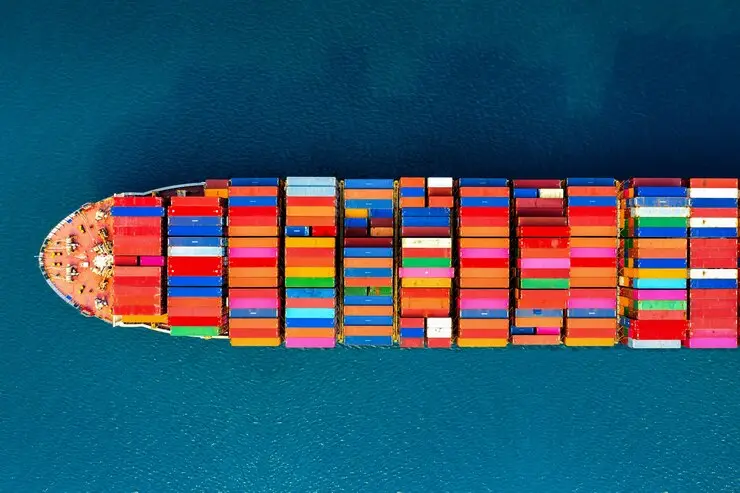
(484,273)
(610,242)
(484,242)
(538,321)
(246,231)
(263,191)
(412,182)
(478,283)
(484,191)
(291,261)
(309,333)
(253,323)
(310,211)
(483,324)
(368,194)
(592,333)
(412,202)
(380,311)
(379,263)
(536,340)
(361,282)
(592,191)
(658,253)
(368,330)
(252,282)
(253,242)
(671,243)
(483,231)
(253,272)
(595,282)
(194,302)
(309,303)
(591,323)
(382,232)
(447,201)
(593,231)
(592,272)
(422,303)
(310,221)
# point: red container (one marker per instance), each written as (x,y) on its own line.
(713,263)
(467,211)
(713,182)
(425,312)
(311,202)
(248,211)
(539,212)
(125,260)
(542,221)
(714,323)
(194,266)
(664,332)
(216,183)
(424,293)
(130,231)
(426,252)
(192,211)
(195,201)
(540,203)
(381,222)
(413,323)
(133,201)
(656,182)
(253,262)
(118,282)
(152,222)
(424,232)
(355,232)
(439,192)
(492,263)
(195,321)
(544,242)
(439,343)
(136,310)
(544,231)
(253,221)
(537,183)
(136,271)
(594,221)
(194,311)
(144,292)
(239,333)
(713,243)
(594,292)
(483,221)
(588,211)
(701,212)
(411,343)
(712,294)
(468,294)
(594,262)
(324,231)
(371,242)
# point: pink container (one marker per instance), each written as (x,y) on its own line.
(431,272)
(476,294)
(484,253)
(548,331)
(484,304)
(712,343)
(545,263)
(269,303)
(243,252)
(585,252)
(151,261)
(310,342)
(607,303)
(713,333)
(660,294)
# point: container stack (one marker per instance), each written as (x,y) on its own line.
(594,221)
(713,257)
(543,262)
(426,270)
(310,262)
(138,261)
(195,262)
(368,262)
(484,273)
(254,271)
(654,257)
(216,188)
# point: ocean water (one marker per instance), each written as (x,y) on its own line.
(100,97)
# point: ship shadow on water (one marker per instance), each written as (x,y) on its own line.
(667,104)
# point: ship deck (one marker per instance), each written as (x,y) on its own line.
(76,259)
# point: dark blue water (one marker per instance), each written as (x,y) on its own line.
(99,97)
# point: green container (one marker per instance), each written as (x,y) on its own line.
(187,330)
(426,262)
(309,282)
(659,305)
(544,283)
(381,292)
(356,291)
(661,222)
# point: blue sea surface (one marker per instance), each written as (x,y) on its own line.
(101,97)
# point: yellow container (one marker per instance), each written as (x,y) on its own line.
(482,342)
(310,272)
(306,211)
(256,342)
(292,242)
(355,213)
(144,319)
(589,342)
(217,192)
(409,282)
(656,273)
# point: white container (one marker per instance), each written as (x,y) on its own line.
(439,182)
(439,333)
(550,193)
(439,322)
(311,181)
(426,242)
(712,273)
(301,191)
(713,193)
(195,251)
(660,211)
(713,222)
(660,344)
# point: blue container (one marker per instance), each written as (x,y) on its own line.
(483,182)
(484,202)
(368,320)
(253,201)
(296,191)
(358,252)
(660,191)
(431,222)
(368,184)
(380,213)
(368,204)
(355,222)
(592,201)
(255,182)
(658,202)
(590,182)
(194,292)
(195,281)
(310,293)
(412,333)
(186,241)
(660,232)
(522,331)
(477,313)
(368,300)
(526,193)
(591,313)
(253,313)
(368,341)
(713,283)
(714,203)
(125,211)
(310,323)
(297,231)
(713,233)
(426,212)
(195,221)
(536,312)
(412,192)
(195,231)
(661,263)
(368,272)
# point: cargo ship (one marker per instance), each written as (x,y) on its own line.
(415,262)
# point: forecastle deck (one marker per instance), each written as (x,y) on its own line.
(312,262)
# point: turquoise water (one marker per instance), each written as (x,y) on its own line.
(99,97)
